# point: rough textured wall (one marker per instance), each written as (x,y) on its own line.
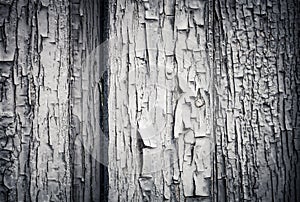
(256,63)
(34,58)
(50,109)
(204,101)
(88,98)
(200,101)
(160,101)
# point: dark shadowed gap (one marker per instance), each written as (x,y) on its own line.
(104,8)
(88,33)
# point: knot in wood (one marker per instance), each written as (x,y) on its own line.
(199,102)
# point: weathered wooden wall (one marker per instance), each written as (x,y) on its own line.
(256,64)
(34,101)
(241,58)
(180,100)
(88,108)
(50,92)
(160,138)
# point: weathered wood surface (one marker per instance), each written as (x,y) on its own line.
(34,107)
(242,58)
(256,107)
(200,100)
(50,112)
(257,100)
(160,138)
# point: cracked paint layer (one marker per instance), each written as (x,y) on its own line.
(34,101)
(160,110)
(194,100)
(203,100)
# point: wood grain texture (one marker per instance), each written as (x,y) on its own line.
(160,111)
(257,101)
(149,100)
(34,101)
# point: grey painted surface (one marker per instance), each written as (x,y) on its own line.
(149,100)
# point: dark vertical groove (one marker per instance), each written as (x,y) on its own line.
(215,153)
(104,24)
(71,134)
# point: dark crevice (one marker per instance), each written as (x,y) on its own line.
(104,26)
